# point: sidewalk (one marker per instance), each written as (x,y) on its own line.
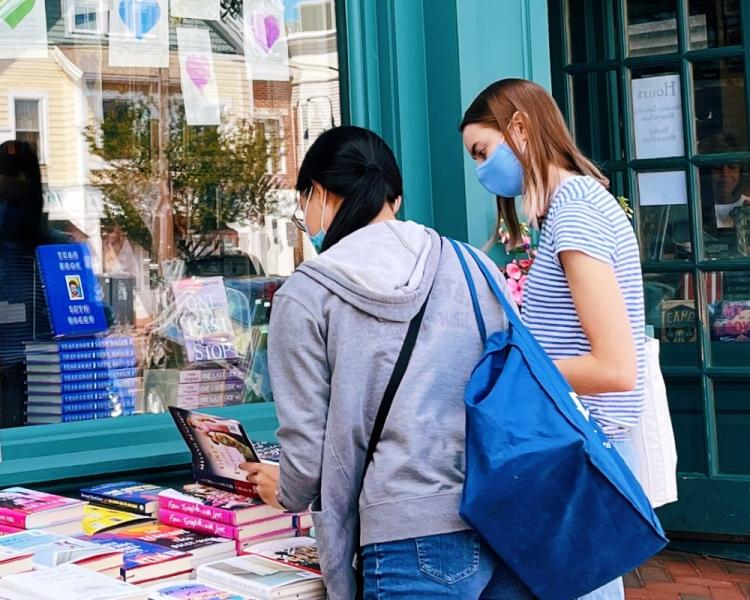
(678,576)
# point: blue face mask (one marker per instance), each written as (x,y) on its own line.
(317,239)
(502,173)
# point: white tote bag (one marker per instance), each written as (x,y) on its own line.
(653,437)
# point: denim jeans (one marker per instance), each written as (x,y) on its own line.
(450,565)
(614,590)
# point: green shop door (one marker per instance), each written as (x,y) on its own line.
(656,92)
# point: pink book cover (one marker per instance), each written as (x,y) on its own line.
(9,529)
(213,504)
(194,523)
(266,537)
(17,503)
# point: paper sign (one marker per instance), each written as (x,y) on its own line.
(139,34)
(23,29)
(657,117)
(208,10)
(265,40)
(199,89)
(662,188)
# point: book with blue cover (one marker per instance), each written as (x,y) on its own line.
(56,389)
(74,298)
(80,407)
(103,375)
(80,344)
(45,419)
(80,355)
(78,366)
(110,395)
(134,496)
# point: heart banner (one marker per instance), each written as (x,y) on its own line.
(139,33)
(266,50)
(23,29)
(197,77)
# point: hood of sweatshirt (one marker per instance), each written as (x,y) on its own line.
(385,269)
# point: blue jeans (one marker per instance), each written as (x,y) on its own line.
(450,565)
(614,590)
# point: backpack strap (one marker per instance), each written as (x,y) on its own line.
(472,290)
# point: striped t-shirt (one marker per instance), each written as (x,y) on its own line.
(584,216)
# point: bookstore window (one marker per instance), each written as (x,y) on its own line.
(143,245)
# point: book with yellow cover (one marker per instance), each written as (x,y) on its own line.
(98,519)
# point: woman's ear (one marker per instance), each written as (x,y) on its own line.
(519,128)
(397,205)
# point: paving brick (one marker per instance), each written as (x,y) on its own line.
(726,593)
(632,580)
(653,573)
(694,597)
(681,569)
(719,583)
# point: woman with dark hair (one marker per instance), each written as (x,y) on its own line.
(337,328)
(21,231)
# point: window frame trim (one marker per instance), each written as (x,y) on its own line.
(43,109)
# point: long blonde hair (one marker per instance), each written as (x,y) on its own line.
(549,143)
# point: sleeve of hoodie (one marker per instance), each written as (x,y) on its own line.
(300,380)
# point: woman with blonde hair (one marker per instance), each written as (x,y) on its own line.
(583,299)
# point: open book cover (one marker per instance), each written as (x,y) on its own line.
(218,446)
(300,552)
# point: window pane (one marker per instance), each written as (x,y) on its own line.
(719,95)
(733,425)
(715,23)
(725,200)
(652,27)
(27,115)
(688,421)
(598,126)
(32,137)
(589,24)
(664,218)
(670,309)
(182,187)
(728,296)
(657,113)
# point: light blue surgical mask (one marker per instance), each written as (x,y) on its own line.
(317,239)
(502,173)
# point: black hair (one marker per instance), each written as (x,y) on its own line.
(21,186)
(357,165)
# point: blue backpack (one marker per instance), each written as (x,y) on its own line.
(544,486)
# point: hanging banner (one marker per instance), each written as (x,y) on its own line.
(266,50)
(208,10)
(23,29)
(139,33)
(199,90)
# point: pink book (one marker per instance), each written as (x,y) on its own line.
(29,509)
(216,505)
(6,529)
(240,533)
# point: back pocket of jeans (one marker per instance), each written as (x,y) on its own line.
(449,557)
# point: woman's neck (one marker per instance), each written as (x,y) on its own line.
(386,214)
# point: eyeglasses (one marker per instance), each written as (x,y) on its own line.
(298,217)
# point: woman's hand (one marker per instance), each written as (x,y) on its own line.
(265,478)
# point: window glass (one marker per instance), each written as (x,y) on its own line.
(170,135)
(664,217)
(652,27)
(597,126)
(720,113)
(715,23)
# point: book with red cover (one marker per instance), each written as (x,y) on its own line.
(239,533)
(29,509)
(216,505)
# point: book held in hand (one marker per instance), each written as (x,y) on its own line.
(218,447)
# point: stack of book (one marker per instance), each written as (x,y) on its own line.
(189,590)
(213,511)
(199,388)
(145,563)
(202,548)
(22,508)
(281,569)
(99,519)
(67,582)
(50,550)
(13,562)
(80,379)
(130,496)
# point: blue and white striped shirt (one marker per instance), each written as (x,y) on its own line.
(584,216)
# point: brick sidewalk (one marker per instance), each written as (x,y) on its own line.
(678,576)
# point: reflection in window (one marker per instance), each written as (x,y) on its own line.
(715,23)
(664,223)
(719,95)
(597,128)
(652,27)
(671,310)
(187,222)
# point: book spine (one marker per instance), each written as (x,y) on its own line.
(96,365)
(201,400)
(193,523)
(109,502)
(210,387)
(207,375)
(233,582)
(8,516)
(95,344)
(79,407)
(5,528)
(97,396)
(90,416)
(112,376)
(100,354)
(195,509)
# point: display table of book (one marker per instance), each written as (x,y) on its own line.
(206,539)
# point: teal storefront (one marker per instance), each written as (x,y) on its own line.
(406,69)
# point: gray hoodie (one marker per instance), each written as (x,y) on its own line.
(337,327)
